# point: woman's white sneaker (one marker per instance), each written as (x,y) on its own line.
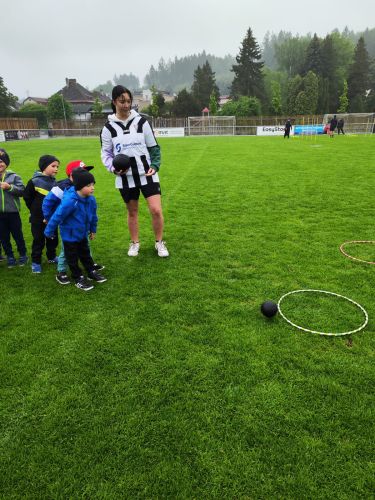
(133,249)
(161,248)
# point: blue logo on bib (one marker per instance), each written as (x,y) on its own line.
(118,147)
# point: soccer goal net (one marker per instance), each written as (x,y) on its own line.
(355,123)
(211,125)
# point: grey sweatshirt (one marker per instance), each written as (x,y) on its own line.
(10,199)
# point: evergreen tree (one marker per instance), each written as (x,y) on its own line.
(276,106)
(185,105)
(358,78)
(97,108)
(295,86)
(154,108)
(204,85)
(268,51)
(328,83)
(290,54)
(313,59)
(370,100)
(129,81)
(311,88)
(7,100)
(213,107)
(324,86)
(104,88)
(160,102)
(248,79)
(343,99)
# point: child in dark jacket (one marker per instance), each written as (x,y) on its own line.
(36,189)
(11,190)
(50,204)
(76,217)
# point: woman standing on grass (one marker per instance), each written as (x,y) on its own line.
(127,132)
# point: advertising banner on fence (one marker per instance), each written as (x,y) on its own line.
(169,132)
(2,136)
(272,130)
(308,129)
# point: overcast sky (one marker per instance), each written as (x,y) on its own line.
(45,41)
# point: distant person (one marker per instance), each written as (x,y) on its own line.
(332,125)
(76,217)
(11,190)
(127,132)
(36,189)
(287,129)
(340,126)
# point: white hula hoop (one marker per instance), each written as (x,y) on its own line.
(331,334)
(351,256)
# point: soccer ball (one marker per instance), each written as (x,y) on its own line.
(269,308)
(121,163)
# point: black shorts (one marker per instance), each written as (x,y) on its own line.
(133,193)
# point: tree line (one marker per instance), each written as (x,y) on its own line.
(288,74)
(305,75)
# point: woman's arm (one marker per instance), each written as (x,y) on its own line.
(106,150)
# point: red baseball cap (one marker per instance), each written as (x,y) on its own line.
(76,164)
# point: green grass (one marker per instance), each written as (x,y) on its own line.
(166,381)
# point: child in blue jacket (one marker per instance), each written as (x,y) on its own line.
(50,204)
(76,217)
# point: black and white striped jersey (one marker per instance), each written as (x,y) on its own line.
(131,137)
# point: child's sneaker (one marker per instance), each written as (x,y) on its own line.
(2,257)
(83,284)
(62,278)
(36,268)
(133,249)
(98,267)
(161,248)
(22,260)
(99,278)
(55,260)
(11,262)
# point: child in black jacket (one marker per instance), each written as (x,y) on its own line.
(36,189)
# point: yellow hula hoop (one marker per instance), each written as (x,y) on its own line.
(353,243)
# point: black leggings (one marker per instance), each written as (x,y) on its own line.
(78,251)
(40,241)
(10,224)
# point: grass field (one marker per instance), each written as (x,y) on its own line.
(166,381)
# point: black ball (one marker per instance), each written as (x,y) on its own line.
(269,308)
(121,163)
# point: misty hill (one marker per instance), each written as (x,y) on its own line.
(174,75)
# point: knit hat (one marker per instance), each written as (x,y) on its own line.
(76,164)
(81,178)
(46,160)
(4,157)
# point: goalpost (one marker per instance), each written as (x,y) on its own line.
(211,125)
(355,123)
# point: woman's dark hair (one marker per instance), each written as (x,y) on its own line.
(116,92)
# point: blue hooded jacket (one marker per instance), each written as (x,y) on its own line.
(76,217)
(54,197)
